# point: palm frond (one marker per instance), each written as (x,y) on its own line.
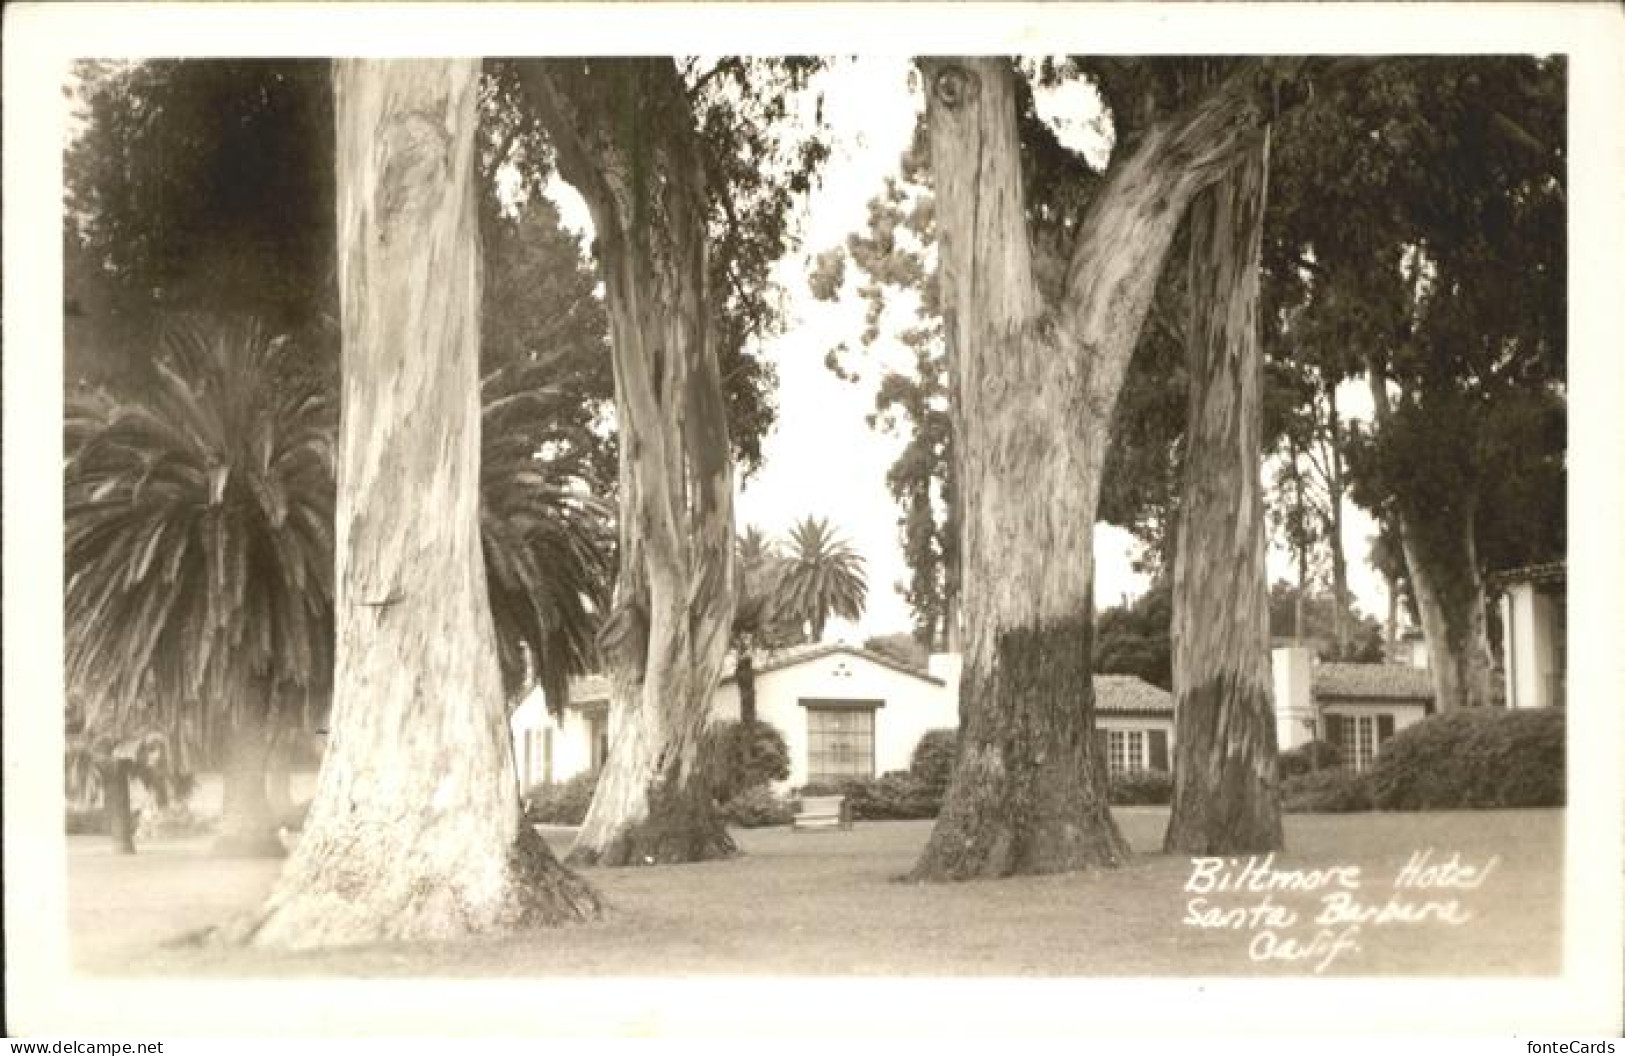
(198,534)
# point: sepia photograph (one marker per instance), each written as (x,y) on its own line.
(553,518)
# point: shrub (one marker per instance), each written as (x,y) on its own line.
(758,807)
(933,760)
(1332,791)
(561,803)
(1308,757)
(172,822)
(86,821)
(897,796)
(1142,788)
(735,757)
(1474,759)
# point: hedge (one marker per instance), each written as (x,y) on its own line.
(563,803)
(897,796)
(1309,757)
(1332,791)
(735,758)
(758,807)
(1474,759)
(1142,788)
(933,760)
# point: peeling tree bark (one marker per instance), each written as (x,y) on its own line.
(415,831)
(1225,790)
(1441,556)
(1034,386)
(623,131)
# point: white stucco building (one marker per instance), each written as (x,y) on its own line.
(844,711)
(1534,650)
(1355,706)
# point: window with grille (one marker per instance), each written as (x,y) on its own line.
(840,743)
(1359,737)
(1125,750)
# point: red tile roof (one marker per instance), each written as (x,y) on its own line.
(1336,681)
(1131,694)
(1549,572)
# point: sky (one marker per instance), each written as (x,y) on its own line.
(822,458)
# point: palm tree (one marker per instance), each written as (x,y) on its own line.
(825,576)
(198,555)
(548,539)
(761,620)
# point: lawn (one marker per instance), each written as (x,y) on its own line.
(829,904)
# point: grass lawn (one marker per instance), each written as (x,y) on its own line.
(828,904)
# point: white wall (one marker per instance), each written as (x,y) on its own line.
(1530,653)
(572,741)
(1293,669)
(910,707)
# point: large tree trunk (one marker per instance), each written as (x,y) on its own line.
(1390,626)
(625,139)
(1442,557)
(415,831)
(1438,540)
(1034,386)
(1225,793)
(247,825)
(1334,523)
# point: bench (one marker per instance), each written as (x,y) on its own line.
(822,812)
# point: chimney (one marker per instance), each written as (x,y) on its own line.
(1293,668)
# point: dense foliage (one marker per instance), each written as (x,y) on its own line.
(1311,755)
(758,807)
(198,549)
(546,534)
(897,796)
(561,802)
(823,576)
(199,186)
(1474,759)
(736,756)
(1313,617)
(932,762)
(1417,238)
(1334,791)
(1133,638)
(1142,788)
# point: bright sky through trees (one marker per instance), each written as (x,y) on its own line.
(822,458)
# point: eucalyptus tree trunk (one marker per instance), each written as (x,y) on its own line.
(1439,542)
(624,134)
(1441,554)
(1334,523)
(1035,380)
(415,831)
(1225,787)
